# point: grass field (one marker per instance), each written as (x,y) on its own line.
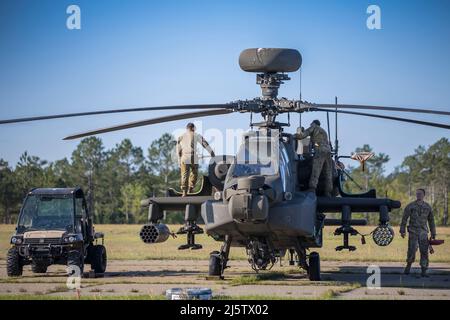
(123,243)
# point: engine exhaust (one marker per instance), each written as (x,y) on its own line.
(154,233)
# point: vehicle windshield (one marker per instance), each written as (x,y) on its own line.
(43,212)
(256,156)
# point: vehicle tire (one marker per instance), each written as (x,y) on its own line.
(14,264)
(75,258)
(215,264)
(39,267)
(98,258)
(314,266)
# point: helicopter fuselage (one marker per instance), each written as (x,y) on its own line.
(261,197)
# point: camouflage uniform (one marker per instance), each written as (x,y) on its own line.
(322,157)
(188,158)
(420,215)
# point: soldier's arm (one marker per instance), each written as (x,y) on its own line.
(304,134)
(405,218)
(432,224)
(206,145)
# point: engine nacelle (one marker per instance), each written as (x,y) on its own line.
(218,169)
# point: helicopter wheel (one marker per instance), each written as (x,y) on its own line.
(314,266)
(215,264)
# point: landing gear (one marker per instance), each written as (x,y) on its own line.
(218,259)
(310,263)
(314,266)
(215,264)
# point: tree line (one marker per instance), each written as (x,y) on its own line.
(114,180)
(117,179)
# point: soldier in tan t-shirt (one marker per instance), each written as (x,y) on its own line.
(188,158)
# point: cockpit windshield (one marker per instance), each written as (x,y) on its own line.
(42,212)
(257,156)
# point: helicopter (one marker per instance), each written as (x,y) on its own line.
(259,199)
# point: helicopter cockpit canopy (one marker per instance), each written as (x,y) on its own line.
(257,155)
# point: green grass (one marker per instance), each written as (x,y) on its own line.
(256,278)
(329,294)
(123,243)
(58,289)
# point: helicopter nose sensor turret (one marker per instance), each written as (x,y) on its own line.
(247,204)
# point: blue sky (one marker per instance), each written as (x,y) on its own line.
(149,53)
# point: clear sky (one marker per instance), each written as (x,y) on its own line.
(150,53)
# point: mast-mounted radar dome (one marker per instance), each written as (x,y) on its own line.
(270,60)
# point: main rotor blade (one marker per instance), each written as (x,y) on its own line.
(355,106)
(147,122)
(92,113)
(425,123)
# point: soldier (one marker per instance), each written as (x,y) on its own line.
(322,156)
(420,215)
(188,158)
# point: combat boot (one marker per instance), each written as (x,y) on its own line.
(407,268)
(424,273)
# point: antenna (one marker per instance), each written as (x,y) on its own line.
(300,71)
(336,141)
(328,126)
(300,96)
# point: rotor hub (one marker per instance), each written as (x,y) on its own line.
(270,83)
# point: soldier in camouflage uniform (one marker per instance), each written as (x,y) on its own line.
(420,215)
(322,156)
(188,158)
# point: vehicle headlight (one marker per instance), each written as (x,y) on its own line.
(16,240)
(71,239)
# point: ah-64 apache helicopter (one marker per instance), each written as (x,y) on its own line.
(263,204)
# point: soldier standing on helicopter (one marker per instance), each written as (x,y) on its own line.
(188,158)
(420,216)
(322,162)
